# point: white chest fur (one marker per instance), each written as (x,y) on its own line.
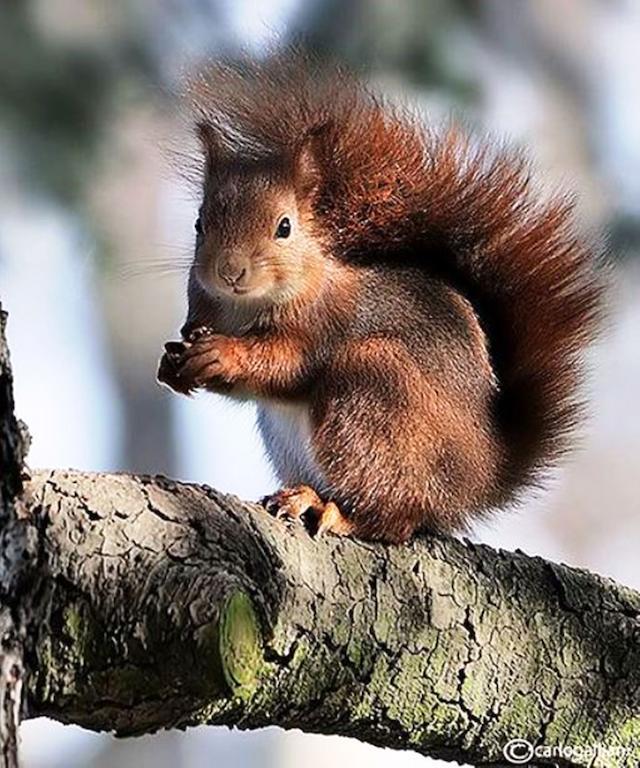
(286,431)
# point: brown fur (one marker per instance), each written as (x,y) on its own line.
(429,309)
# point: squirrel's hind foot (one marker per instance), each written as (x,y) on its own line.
(302,504)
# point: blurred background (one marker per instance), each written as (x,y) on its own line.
(93,223)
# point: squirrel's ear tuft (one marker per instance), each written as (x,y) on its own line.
(210,141)
(309,158)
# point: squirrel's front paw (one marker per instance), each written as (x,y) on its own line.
(169,367)
(209,360)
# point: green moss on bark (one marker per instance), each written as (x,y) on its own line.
(240,645)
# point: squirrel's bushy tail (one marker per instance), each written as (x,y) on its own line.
(537,286)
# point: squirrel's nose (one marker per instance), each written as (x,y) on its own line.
(233,273)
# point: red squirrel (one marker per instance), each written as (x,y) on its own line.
(409,315)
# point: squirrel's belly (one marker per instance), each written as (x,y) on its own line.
(286,432)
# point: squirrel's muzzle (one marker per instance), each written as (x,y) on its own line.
(234,272)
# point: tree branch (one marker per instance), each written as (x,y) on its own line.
(18,542)
(172,604)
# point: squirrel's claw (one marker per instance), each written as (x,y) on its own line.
(302,504)
(198,333)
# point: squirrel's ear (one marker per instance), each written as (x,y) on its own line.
(309,159)
(210,141)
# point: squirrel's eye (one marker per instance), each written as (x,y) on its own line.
(198,226)
(284,228)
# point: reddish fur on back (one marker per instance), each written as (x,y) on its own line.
(536,283)
(390,188)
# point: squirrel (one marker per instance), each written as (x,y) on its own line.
(408,313)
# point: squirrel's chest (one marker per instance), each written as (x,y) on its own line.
(286,430)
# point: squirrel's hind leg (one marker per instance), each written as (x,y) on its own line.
(303,504)
(400,452)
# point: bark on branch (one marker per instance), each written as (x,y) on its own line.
(18,578)
(173,604)
(139,603)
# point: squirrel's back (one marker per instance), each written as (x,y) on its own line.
(463,210)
